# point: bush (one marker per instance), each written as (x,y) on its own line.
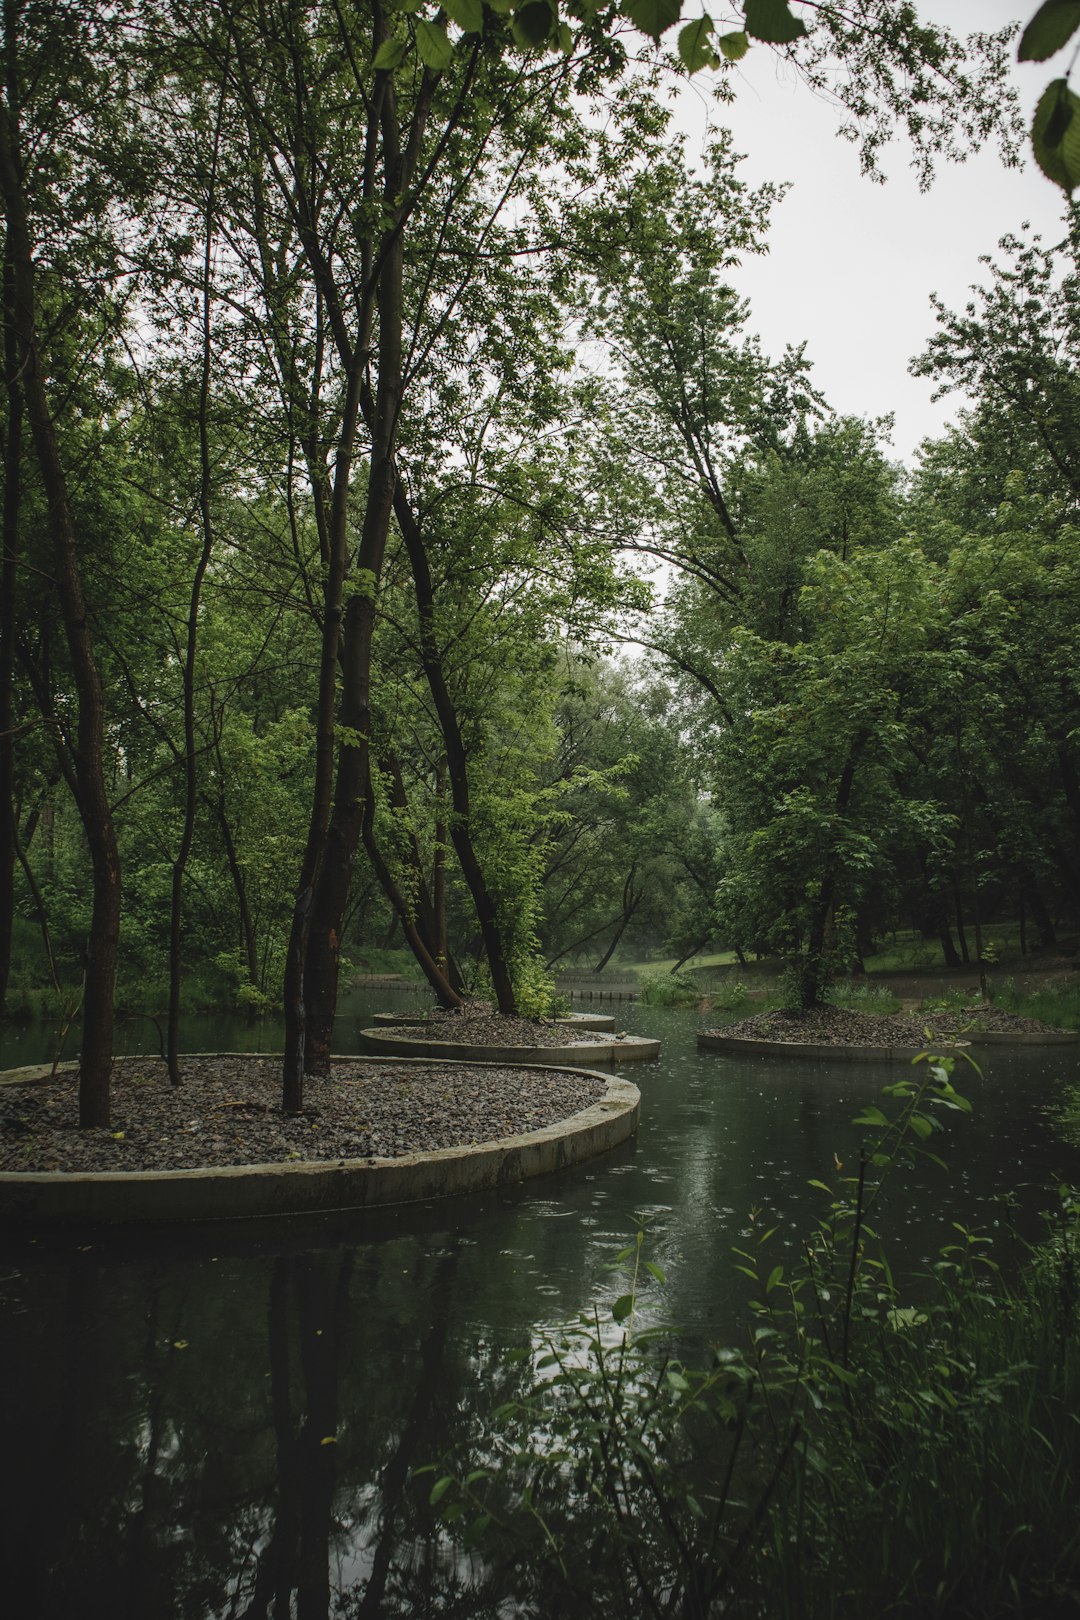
(669,990)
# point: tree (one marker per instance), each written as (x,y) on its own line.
(56,63)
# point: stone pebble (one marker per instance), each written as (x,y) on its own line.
(227,1111)
(841,1026)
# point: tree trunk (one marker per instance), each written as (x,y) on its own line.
(39,908)
(456,760)
(95,1067)
(1043,920)
(190,767)
(8,581)
(447,996)
(812,966)
(631,901)
(960,932)
(438,872)
(236,872)
(331,896)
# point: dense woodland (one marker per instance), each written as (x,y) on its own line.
(407,544)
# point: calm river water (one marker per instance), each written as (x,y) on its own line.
(167,1399)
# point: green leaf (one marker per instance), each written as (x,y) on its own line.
(871,1116)
(1053,24)
(772,21)
(733,47)
(655,1271)
(622,1307)
(776,1275)
(653,17)
(433,47)
(468,14)
(1055,135)
(821,1186)
(565,39)
(440,1488)
(922,1126)
(390,54)
(533,24)
(694,49)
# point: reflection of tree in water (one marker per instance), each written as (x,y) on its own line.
(352,1419)
(169,1430)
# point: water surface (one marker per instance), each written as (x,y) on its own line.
(223,1422)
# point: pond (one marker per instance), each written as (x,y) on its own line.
(224,1422)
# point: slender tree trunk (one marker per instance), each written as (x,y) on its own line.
(8,582)
(1043,920)
(438,870)
(429,912)
(39,908)
(685,957)
(190,764)
(631,901)
(95,1066)
(961,933)
(456,760)
(331,895)
(812,968)
(295,1061)
(236,872)
(445,993)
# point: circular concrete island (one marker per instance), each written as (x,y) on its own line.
(578,1020)
(218,1147)
(843,1036)
(436,1041)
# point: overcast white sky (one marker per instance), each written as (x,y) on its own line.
(852,264)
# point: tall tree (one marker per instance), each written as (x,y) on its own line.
(56,64)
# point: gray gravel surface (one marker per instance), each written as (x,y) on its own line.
(228,1112)
(839,1026)
(478,1025)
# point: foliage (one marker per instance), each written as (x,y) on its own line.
(865,998)
(1055,128)
(1056,1003)
(669,990)
(859,1456)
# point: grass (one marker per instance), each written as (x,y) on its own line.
(865,998)
(1057,1003)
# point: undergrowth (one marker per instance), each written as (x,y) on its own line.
(856,1456)
(1057,1003)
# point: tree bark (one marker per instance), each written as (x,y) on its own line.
(236,872)
(8,583)
(456,760)
(631,901)
(191,643)
(95,1066)
(331,895)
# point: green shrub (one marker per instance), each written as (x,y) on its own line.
(669,990)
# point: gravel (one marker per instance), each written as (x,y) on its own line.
(227,1112)
(839,1026)
(479,1025)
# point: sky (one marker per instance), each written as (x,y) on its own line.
(852,264)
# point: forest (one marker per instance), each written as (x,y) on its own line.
(408,546)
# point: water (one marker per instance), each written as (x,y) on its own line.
(167,1399)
